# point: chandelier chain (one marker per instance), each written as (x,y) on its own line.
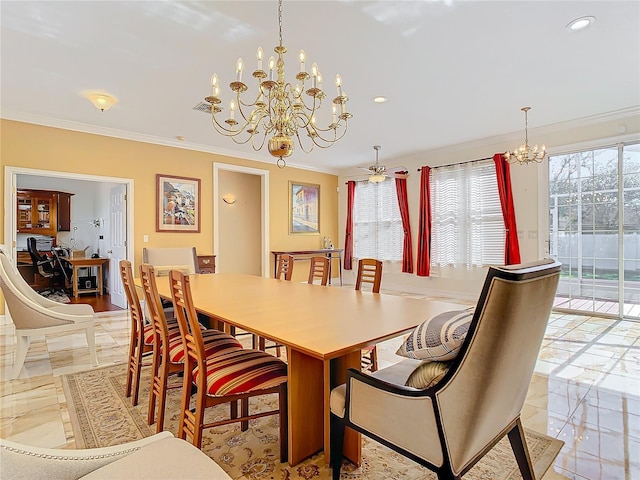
(280,20)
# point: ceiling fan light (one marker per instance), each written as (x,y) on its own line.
(376,178)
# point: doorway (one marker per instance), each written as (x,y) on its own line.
(92,223)
(241,219)
(594,218)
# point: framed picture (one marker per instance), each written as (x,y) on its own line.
(177,204)
(304,208)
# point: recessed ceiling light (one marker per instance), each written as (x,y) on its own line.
(580,23)
(180,137)
(380,99)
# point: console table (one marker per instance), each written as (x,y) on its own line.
(330,253)
(78,263)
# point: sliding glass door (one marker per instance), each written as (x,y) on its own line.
(594,217)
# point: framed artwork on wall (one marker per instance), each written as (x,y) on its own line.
(177,204)
(304,208)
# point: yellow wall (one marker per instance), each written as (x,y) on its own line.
(33,146)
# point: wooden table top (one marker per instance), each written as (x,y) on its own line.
(322,322)
(86,261)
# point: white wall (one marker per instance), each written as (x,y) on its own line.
(529,188)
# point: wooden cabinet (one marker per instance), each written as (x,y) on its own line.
(43,212)
(206,264)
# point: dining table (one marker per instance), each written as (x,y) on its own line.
(323,330)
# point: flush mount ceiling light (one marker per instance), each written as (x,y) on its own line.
(380,99)
(581,23)
(101,101)
(525,154)
(278,110)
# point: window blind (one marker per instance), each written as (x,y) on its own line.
(377,226)
(467,222)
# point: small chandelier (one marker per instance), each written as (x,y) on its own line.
(280,111)
(525,154)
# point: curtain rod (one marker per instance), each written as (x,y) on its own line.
(461,163)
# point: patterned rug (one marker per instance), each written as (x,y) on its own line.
(59,296)
(101,416)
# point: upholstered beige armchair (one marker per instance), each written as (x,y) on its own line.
(449,426)
(33,314)
(160,456)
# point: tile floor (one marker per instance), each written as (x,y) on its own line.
(585,391)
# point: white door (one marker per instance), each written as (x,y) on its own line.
(117,243)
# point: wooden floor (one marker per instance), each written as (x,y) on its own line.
(100,303)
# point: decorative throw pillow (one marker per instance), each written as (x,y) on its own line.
(427,374)
(438,338)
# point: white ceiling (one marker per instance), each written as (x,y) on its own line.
(454,71)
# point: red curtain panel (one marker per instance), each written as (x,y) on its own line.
(348,236)
(512,246)
(424,225)
(407,247)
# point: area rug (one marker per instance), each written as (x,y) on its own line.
(56,295)
(102,416)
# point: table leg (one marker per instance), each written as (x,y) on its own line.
(99,280)
(75,281)
(306,406)
(340,265)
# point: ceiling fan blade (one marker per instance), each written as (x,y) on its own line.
(397,169)
(399,174)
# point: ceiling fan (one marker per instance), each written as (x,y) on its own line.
(379,172)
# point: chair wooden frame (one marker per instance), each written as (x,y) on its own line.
(161,366)
(192,422)
(369,271)
(285,267)
(137,347)
(516,302)
(319,268)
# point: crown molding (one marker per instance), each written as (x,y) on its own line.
(140,137)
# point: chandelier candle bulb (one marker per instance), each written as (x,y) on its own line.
(319,81)
(239,68)
(302,57)
(232,107)
(339,85)
(333,108)
(272,64)
(314,75)
(259,55)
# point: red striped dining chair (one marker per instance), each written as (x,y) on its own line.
(141,337)
(168,348)
(226,378)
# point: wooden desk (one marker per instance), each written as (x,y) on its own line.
(330,253)
(77,263)
(323,329)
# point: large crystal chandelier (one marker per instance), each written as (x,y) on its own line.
(279,111)
(525,154)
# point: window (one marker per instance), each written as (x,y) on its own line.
(467,222)
(377,226)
